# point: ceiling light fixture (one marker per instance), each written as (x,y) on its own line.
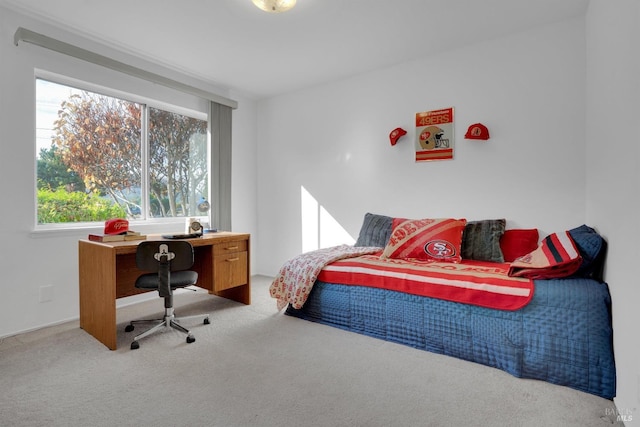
(275,6)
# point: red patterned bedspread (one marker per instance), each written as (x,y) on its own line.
(485,284)
(297,276)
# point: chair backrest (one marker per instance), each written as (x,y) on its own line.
(149,253)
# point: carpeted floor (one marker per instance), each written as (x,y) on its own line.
(253,366)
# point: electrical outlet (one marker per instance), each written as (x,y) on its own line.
(46,293)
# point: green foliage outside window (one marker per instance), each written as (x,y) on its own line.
(64,206)
(53,173)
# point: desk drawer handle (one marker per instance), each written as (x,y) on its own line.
(233,259)
(231,248)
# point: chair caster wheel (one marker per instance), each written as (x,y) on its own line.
(135,345)
(206,321)
(129,328)
(191,339)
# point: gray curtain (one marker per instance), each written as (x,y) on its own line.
(220,133)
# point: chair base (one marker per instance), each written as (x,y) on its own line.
(168,321)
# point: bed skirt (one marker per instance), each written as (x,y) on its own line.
(563,336)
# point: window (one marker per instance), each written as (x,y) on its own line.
(100,156)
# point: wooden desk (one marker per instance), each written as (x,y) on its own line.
(107,271)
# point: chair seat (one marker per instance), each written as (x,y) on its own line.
(179,279)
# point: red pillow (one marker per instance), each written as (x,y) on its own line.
(426,239)
(518,242)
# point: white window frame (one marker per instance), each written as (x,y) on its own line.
(219,109)
(147,102)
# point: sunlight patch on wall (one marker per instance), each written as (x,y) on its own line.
(309,209)
(319,228)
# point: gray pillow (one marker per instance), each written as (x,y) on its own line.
(481,240)
(375,230)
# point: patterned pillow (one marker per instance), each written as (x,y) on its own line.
(481,240)
(375,230)
(426,239)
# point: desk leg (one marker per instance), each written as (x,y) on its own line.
(239,293)
(97,285)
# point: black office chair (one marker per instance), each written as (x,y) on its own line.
(168,264)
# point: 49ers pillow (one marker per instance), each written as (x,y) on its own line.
(426,239)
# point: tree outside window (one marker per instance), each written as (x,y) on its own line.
(90,168)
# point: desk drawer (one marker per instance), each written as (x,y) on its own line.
(230,270)
(230,247)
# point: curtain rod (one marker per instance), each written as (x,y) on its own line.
(28,36)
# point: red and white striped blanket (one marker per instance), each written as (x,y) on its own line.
(485,284)
(556,256)
(297,276)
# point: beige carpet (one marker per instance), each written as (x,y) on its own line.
(255,367)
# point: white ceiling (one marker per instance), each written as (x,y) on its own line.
(233,44)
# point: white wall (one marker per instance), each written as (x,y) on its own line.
(244,198)
(613,114)
(30,260)
(333,140)
(529,89)
(563,114)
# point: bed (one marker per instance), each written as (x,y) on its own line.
(556,329)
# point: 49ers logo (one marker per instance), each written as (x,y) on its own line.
(440,249)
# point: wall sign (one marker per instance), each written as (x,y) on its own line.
(434,135)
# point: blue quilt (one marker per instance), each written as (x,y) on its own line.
(563,336)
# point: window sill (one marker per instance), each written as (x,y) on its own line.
(172,225)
